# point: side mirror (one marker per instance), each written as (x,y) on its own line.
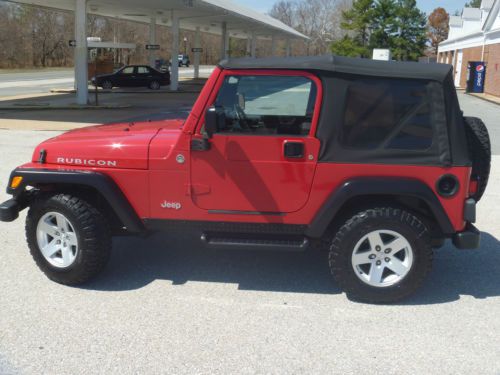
(214,121)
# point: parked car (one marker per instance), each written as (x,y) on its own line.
(370,161)
(133,76)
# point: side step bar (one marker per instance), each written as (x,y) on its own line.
(254,241)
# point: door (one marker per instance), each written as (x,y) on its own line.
(458,68)
(126,77)
(263,158)
(144,76)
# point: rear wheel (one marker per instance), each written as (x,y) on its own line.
(68,238)
(381,255)
(478,141)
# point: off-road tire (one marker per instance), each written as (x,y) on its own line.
(92,231)
(387,218)
(479,146)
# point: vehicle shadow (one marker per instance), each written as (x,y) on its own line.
(456,273)
(136,262)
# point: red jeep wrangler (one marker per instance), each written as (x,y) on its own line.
(371,160)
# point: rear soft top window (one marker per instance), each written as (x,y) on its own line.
(379,120)
(387,114)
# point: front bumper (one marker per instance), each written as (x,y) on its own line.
(469,238)
(9,210)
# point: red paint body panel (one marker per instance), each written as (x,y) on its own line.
(154,165)
(115,145)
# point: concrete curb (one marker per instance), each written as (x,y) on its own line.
(73,91)
(485,98)
(54,107)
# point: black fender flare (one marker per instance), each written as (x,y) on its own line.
(367,186)
(98,181)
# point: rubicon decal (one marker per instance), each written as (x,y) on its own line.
(88,162)
(171,205)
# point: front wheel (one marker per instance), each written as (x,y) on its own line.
(154,85)
(381,255)
(69,238)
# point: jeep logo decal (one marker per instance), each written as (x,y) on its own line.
(89,162)
(171,205)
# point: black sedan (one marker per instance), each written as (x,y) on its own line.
(133,76)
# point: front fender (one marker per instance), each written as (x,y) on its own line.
(100,182)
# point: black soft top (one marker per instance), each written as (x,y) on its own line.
(346,65)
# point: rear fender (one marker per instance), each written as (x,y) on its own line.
(362,187)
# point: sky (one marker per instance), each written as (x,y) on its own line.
(426,5)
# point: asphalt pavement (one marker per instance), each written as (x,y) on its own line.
(166,305)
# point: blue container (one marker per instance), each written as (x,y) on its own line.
(476,73)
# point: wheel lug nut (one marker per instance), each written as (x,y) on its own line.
(387,260)
(58,242)
(379,262)
(387,251)
(377,248)
(372,256)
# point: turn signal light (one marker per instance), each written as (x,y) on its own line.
(16,181)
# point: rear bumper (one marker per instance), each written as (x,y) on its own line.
(469,238)
(9,210)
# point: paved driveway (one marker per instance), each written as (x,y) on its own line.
(164,305)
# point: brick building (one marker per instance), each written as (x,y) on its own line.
(475,36)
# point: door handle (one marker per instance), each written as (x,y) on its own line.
(293,149)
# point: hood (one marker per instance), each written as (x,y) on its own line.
(123,145)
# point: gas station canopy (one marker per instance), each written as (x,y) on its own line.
(206,14)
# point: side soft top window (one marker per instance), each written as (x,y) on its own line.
(266,104)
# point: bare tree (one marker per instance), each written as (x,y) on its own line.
(317,19)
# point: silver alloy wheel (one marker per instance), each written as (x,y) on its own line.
(154,85)
(382,258)
(57,239)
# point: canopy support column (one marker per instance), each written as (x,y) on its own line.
(81,53)
(249,46)
(197,47)
(274,43)
(223,42)
(152,40)
(253,50)
(174,67)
